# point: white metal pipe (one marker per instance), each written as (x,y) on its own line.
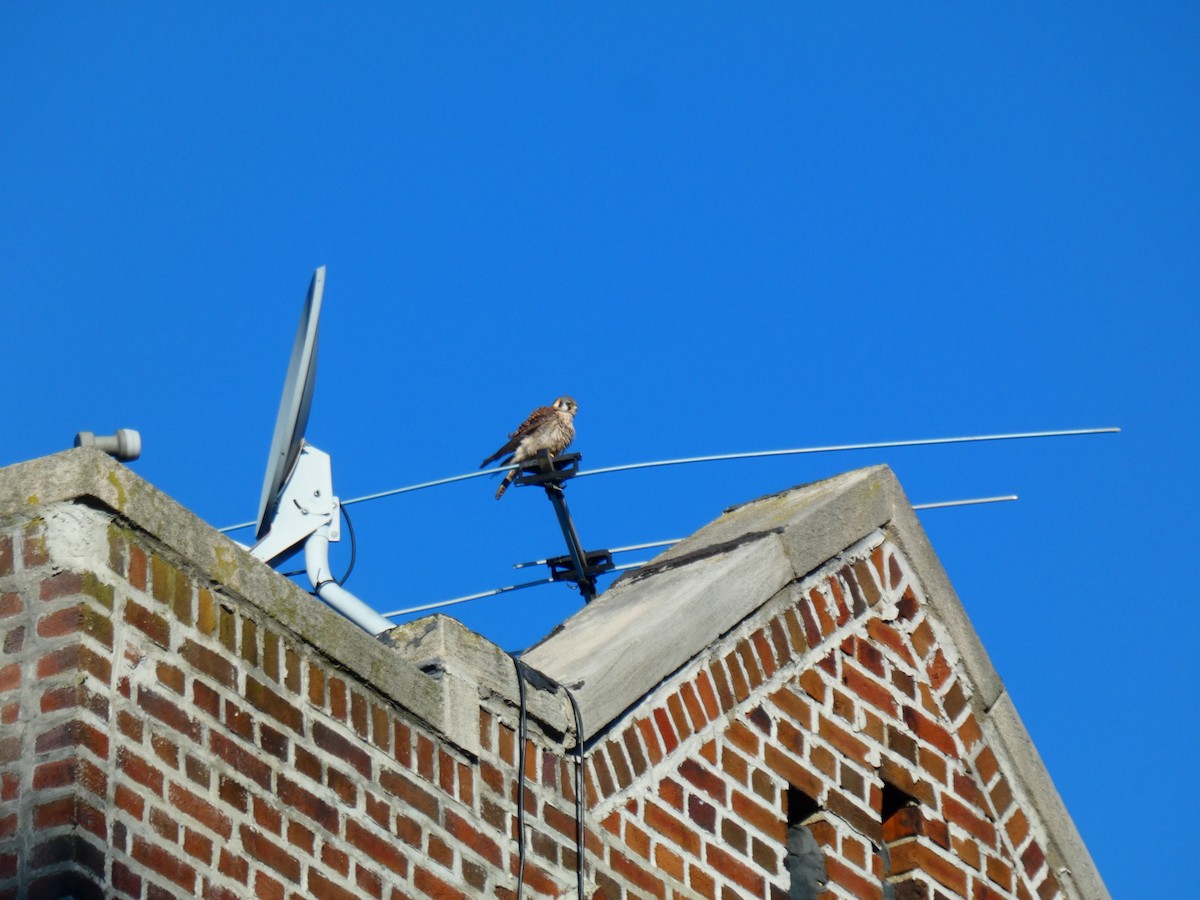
(316,564)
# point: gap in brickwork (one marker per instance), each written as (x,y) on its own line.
(894,800)
(805,858)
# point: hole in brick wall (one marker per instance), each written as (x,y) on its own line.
(800,806)
(894,800)
(805,857)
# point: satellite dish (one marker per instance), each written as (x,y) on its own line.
(295,404)
(298,503)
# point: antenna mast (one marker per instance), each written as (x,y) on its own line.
(578,565)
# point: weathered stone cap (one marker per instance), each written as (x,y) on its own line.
(649,624)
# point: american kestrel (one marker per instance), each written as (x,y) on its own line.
(547,428)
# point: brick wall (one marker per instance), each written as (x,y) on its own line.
(165,740)
(842,694)
(162,735)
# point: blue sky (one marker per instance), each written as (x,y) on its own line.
(719,230)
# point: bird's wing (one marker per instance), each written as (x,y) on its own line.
(507,448)
(535,419)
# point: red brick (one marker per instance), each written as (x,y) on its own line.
(11,605)
(274,705)
(210,663)
(769,821)
(844,609)
(823,609)
(959,814)
(755,672)
(690,700)
(764,651)
(140,771)
(651,740)
(380,849)
(164,863)
(969,733)
(882,633)
(244,762)
(320,886)
(720,679)
(914,855)
(867,583)
(670,741)
(266,887)
(671,792)
(79,619)
(358,714)
(270,854)
(743,738)
(929,731)
(433,886)
(409,792)
(196,807)
(637,759)
(704,779)
(868,689)
(735,870)
(853,882)
(468,834)
(169,712)
(1033,859)
(636,874)
(620,766)
(677,833)
(425,757)
(844,741)
(923,639)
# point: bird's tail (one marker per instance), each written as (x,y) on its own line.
(508,479)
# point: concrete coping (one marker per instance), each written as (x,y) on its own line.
(89,476)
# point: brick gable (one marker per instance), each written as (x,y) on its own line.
(828,691)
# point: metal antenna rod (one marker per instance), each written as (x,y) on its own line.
(878,445)
(647,546)
(948,503)
(542,562)
(944,504)
(920,442)
(469,597)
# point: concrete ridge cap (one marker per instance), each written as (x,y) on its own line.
(1003,728)
(720,575)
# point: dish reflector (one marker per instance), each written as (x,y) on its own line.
(295,404)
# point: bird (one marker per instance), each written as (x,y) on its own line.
(547,428)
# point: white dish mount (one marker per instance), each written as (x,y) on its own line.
(298,503)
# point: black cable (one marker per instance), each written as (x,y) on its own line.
(353,556)
(578,788)
(542,681)
(353,544)
(522,731)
